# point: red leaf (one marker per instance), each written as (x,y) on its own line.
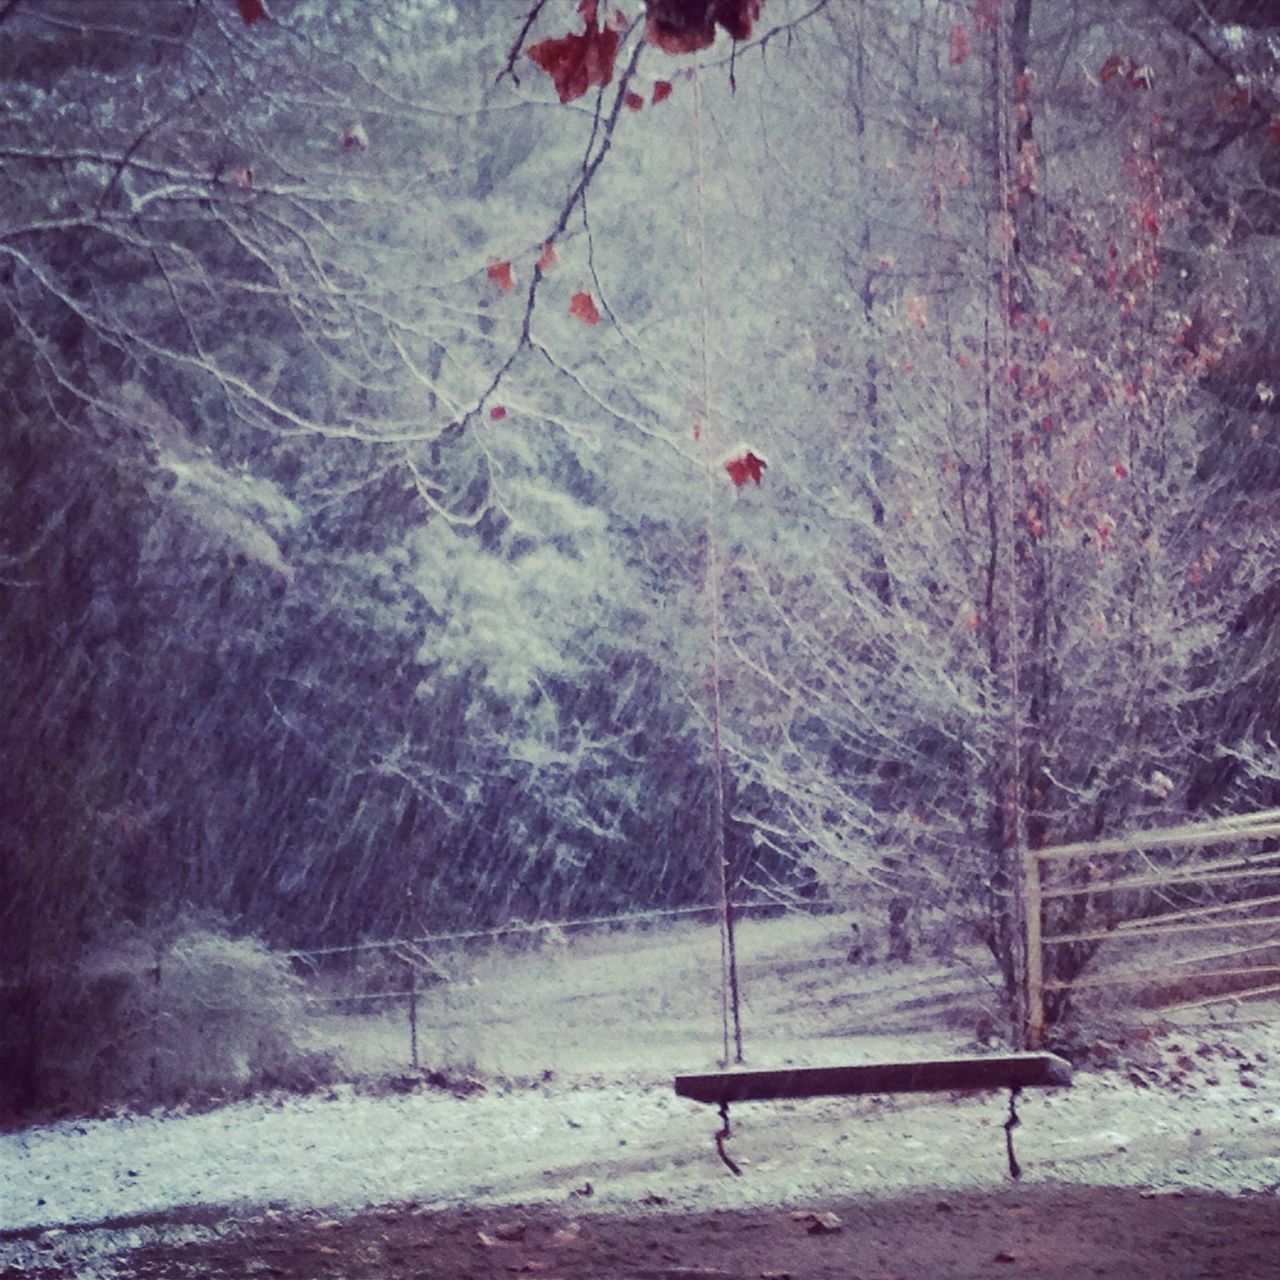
(745,464)
(1121,470)
(498,412)
(681,27)
(576,62)
(500,274)
(634,101)
(1112,68)
(1274,130)
(547,259)
(736,16)
(676,38)
(661,91)
(252,10)
(986,13)
(960,48)
(583,306)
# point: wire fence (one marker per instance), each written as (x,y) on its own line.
(405,973)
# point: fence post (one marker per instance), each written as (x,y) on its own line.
(157,1018)
(413,1013)
(1034,1029)
(411,920)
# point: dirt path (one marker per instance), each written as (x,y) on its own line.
(1069,1233)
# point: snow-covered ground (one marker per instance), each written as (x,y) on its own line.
(1189,1107)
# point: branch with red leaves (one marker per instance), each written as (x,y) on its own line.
(584,59)
(602,140)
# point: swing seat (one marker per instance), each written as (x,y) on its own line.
(982,1071)
(1012,1071)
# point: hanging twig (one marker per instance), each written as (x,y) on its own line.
(518,47)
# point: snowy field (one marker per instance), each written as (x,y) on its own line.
(571,1117)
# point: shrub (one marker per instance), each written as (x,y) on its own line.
(196,1015)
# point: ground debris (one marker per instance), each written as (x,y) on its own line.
(818,1223)
(567,1234)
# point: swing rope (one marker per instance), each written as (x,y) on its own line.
(730,1005)
(1015,836)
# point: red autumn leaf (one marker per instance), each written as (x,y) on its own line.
(737,16)
(1274,130)
(583,306)
(1112,68)
(1121,470)
(661,91)
(985,14)
(960,48)
(1042,323)
(498,412)
(634,101)
(252,10)
(745,464)
(576,62)
(500,274)
(681,27)
(547,259)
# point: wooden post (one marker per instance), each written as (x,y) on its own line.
(1034,1029)
(410,923)
(413,1014)
(157,1018)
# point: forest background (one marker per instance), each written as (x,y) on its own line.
(438,493)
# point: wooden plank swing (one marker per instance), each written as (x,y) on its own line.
(1012,1071)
